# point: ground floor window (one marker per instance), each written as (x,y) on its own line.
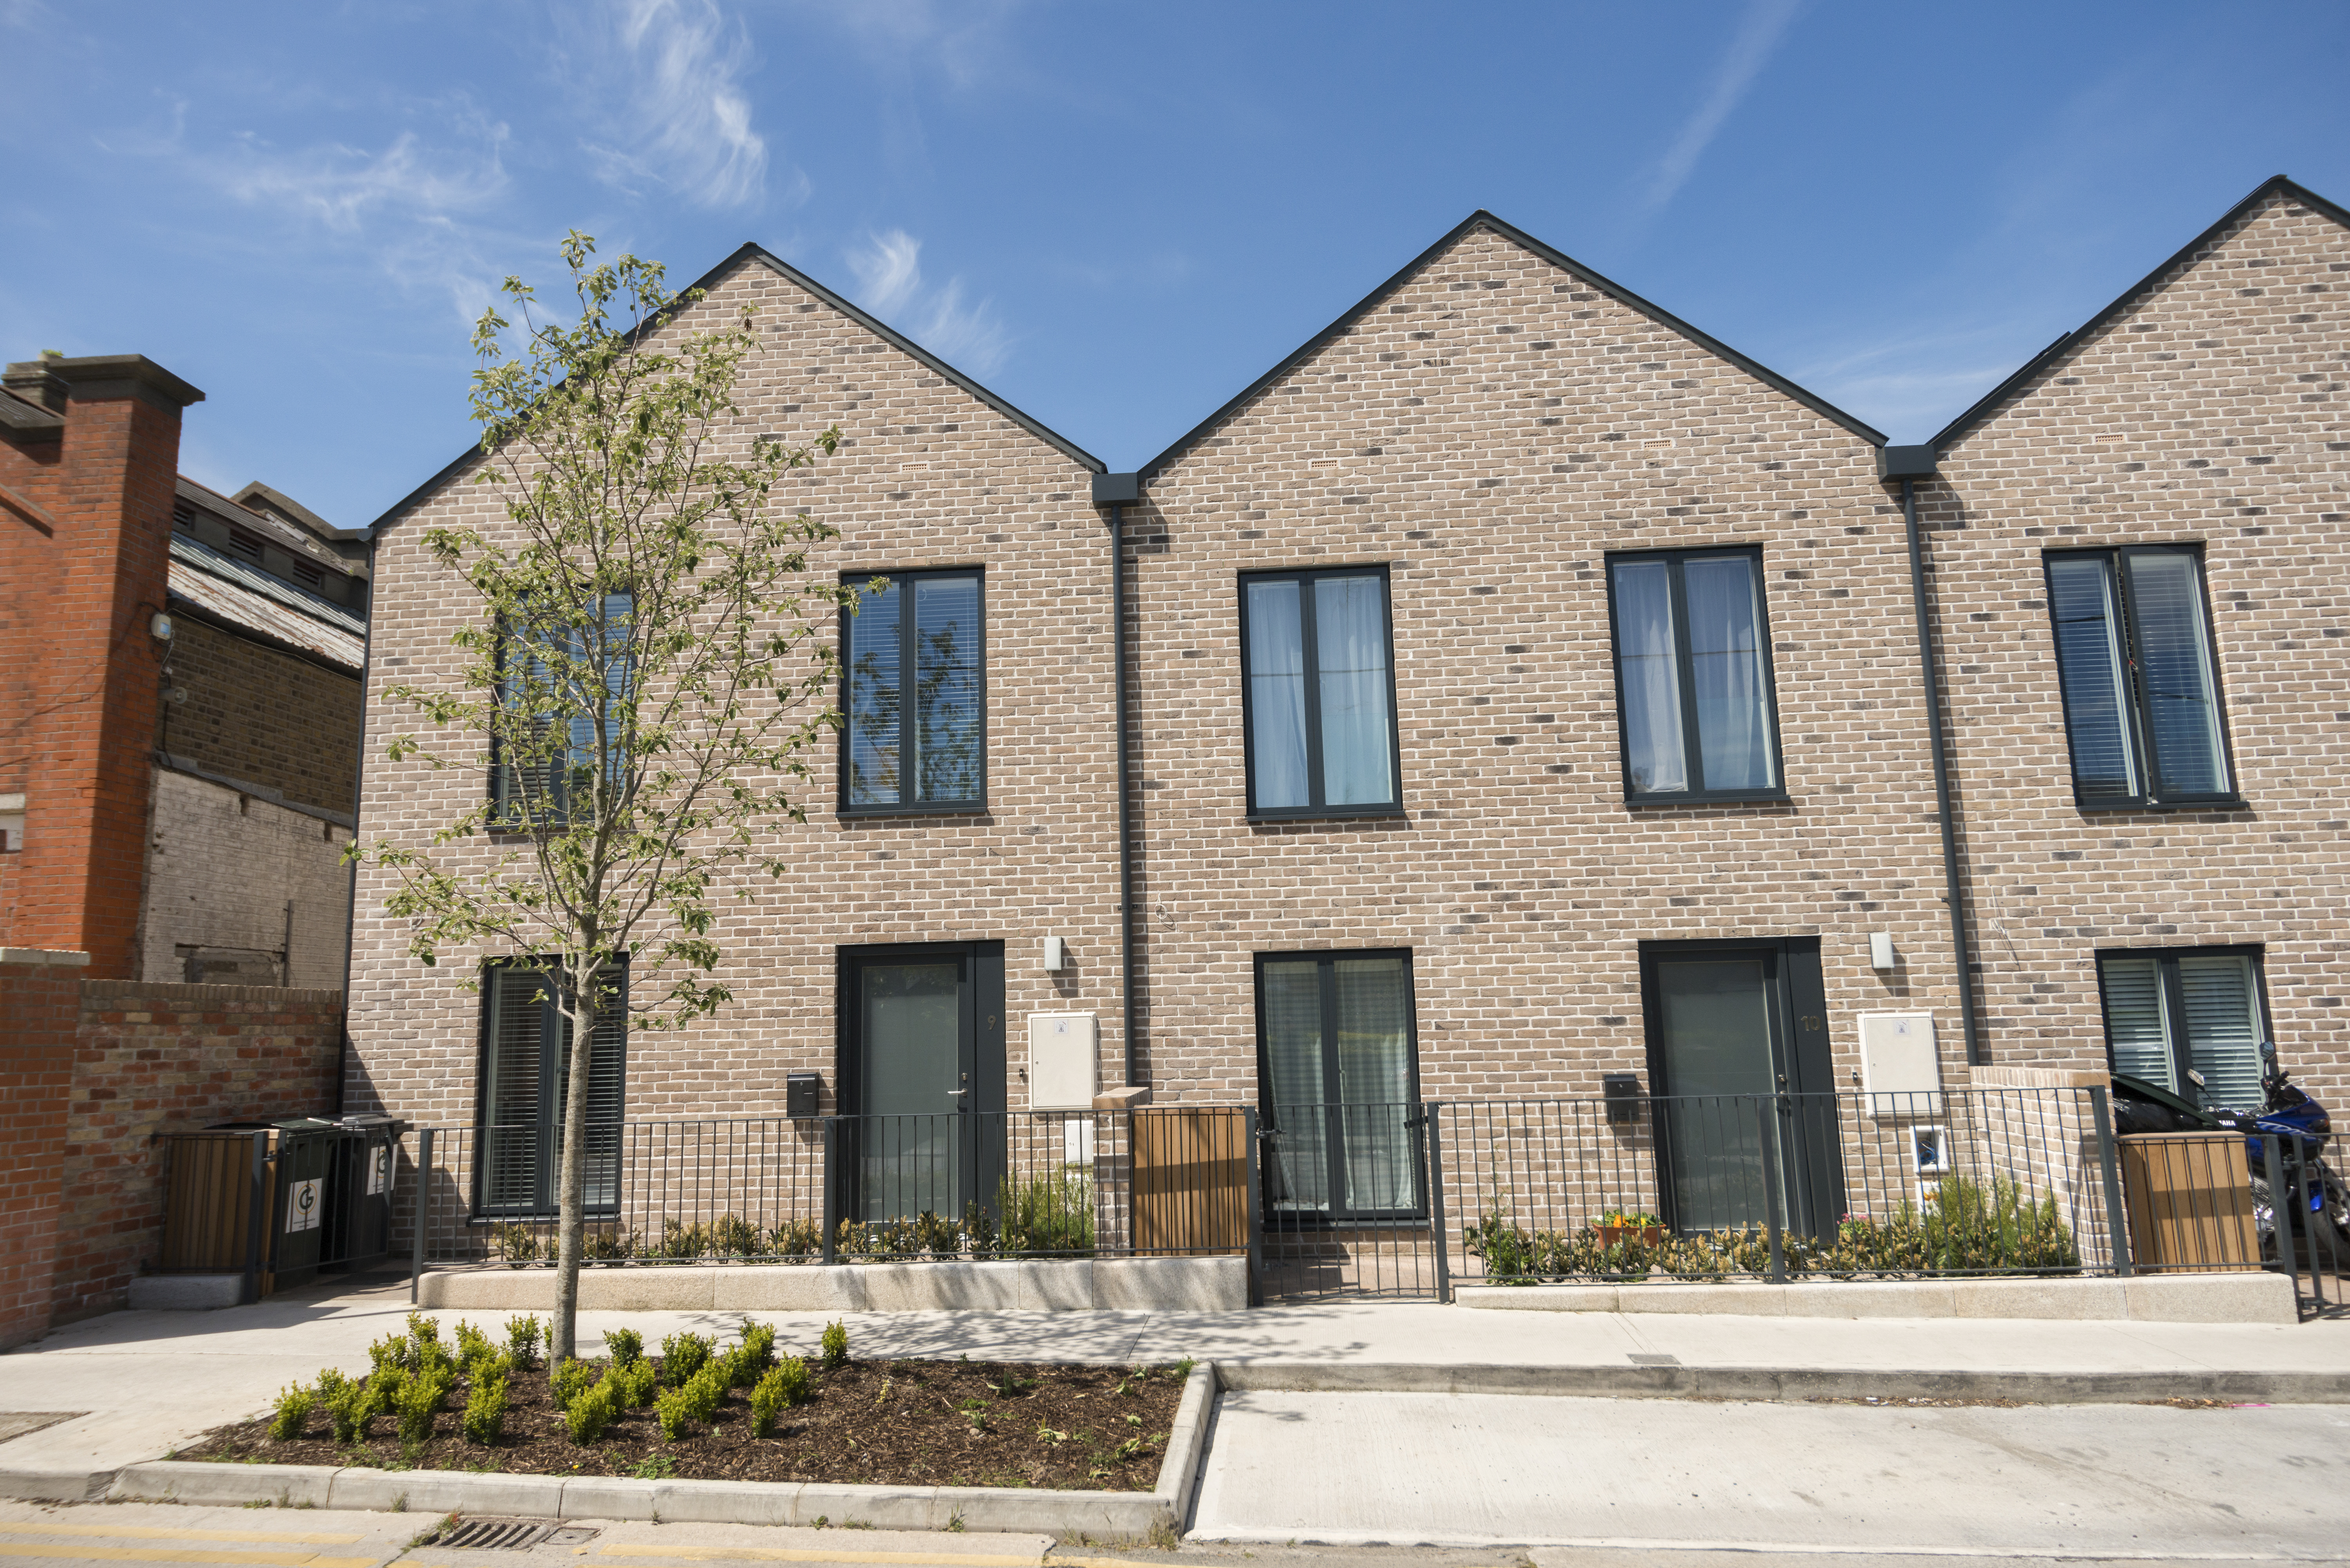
(1338,1065)
(2188,1021)
(526,1056)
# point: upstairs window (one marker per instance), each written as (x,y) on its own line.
(1319,694)
(567,696)
(916,698)
(2140,680)
(1693,689)
(2187,1020)
(526,1059)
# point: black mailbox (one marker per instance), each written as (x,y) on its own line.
(801,1091)
(1623,1091)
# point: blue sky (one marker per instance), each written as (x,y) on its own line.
(1116,215)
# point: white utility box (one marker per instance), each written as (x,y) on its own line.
(1900,1069)
(1062,1064)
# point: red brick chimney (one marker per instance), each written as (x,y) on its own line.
(89,449)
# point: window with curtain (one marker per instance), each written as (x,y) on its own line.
(567,691)
(2139,677)
(526,1064)
(2188,1020)
(1339,1078)
(1319,694)
(915,698)
(1693,676)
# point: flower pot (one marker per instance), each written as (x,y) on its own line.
(1643,1235)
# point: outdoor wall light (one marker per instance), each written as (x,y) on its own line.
(1880,950)
(1057,956)
(160,627)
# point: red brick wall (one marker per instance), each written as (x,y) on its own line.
(39,1006)
(150,1059)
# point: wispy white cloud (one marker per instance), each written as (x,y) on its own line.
(676,72)
(889,283)
(1758,38)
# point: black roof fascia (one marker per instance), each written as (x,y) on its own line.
(751,251)
(1989,403)
(1557,258)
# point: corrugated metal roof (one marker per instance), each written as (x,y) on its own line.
(238,593)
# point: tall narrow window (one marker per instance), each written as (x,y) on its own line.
(2187,1020)
(2139,679)
(917,697)
(1339,1076)
(1319,694)
(526,1059)
(567,695)
(1693,676)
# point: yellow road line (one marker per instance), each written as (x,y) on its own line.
(167,1554)
(795,1554)
(143,1532)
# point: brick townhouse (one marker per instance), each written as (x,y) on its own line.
(2142,593)
(909,933)
(1526,691)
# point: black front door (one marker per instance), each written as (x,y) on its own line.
(1737,1057)
(922,1077)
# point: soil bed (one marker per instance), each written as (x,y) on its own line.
(901,1422)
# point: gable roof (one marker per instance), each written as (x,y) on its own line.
(752,252)
(1481,219)
(2276,185)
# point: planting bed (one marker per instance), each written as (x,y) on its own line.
(910,1422)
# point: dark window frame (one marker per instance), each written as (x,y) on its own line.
(1684,673)
(1324,957)
(2174,998)
(1314,810)
(2137,728)
(908,659)
(504,813)
(549,1152)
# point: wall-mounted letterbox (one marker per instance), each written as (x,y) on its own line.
(802,1091)
(1623,1094)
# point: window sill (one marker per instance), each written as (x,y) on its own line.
(2113,807)
(1327,814)
(870,813)
(1726,797)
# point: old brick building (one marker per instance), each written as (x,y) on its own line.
(1525,689)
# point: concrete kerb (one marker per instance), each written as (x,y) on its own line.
(1098,1284)
(2242,1296)
(1100,1513)
(1775,1383)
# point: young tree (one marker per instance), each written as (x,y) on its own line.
(648,674)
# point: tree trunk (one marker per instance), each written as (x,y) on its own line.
(562,1332)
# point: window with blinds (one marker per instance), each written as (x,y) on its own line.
(525,1068)
(916,697)
(572,693)
(2136,664)
(2188,1022)
(1340,1081)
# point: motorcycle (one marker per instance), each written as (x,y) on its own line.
(2302,1128)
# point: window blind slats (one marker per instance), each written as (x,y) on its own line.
(2135,1027)
(2089,669)
(2223,1028)
(2175,668)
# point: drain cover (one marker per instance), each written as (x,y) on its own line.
(1640,1360)
(511,1534)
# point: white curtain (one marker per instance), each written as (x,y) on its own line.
(1277,662)
(1733,716)
(1646,673)
(1350,649)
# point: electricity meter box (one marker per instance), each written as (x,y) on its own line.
(1063,1062)
(1900,1068)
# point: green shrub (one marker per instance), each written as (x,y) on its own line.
(607,1246)
(670,1410)
(1048,1213)
(571,1379)
(776,1392)
(795,1239)
(978,1232)
(633,1383)
(485,1412)
(705,1392)
(348,1410)
(588,1416)
(939,1236)
(835,1344)
(419,1401)
(330,1385)
(516,1243)
(682,1241)
(852,1241)
(393,1351)
(383,1392)
(293,1409)
(752,1355)
(624,1345)
(472,1345)
(522,1340)
(682,1357)
(790,1379)
(735,1237)
(422,1331)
